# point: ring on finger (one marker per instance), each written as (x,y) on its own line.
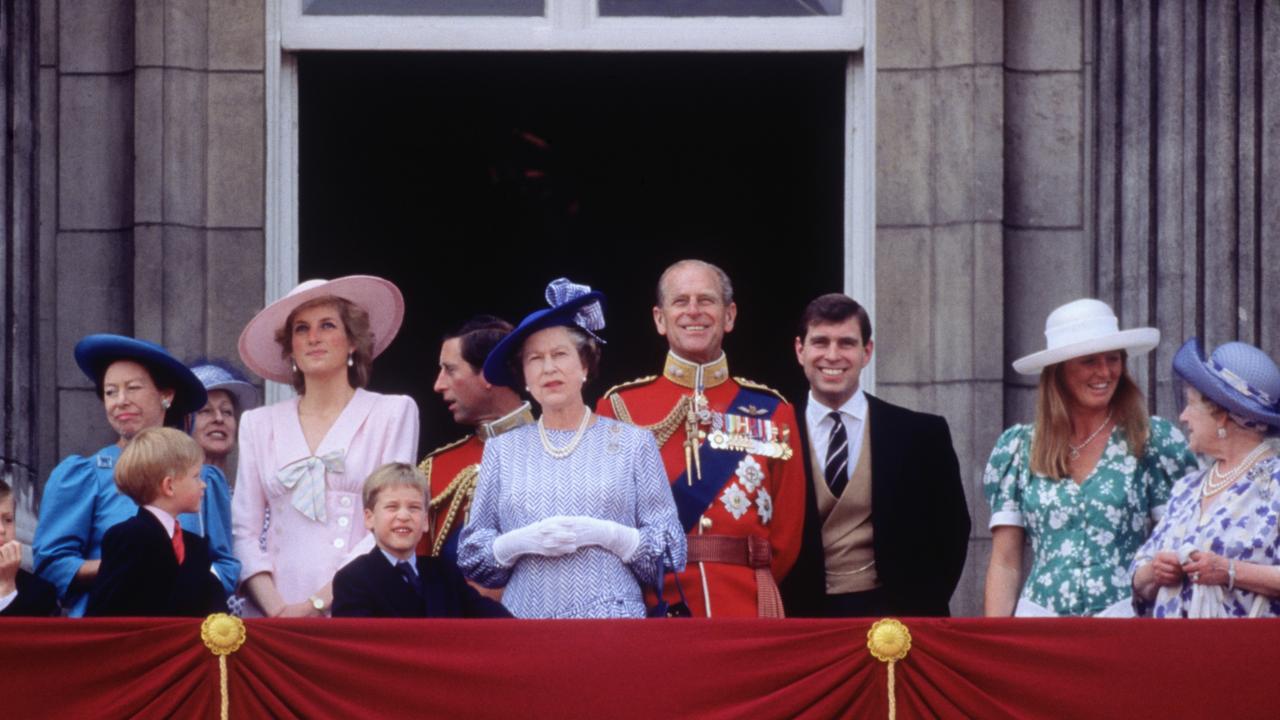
(1195,576)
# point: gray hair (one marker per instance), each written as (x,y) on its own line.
(726,285)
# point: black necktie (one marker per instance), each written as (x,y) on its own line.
(410,577)
(837,456)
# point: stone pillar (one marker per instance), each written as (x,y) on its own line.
(940,98)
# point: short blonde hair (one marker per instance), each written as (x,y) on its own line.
(395,474)
(151,456)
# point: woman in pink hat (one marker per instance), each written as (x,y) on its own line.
(1085,482)
(306,458)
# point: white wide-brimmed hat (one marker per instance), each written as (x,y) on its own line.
(380,298)
(1084,327)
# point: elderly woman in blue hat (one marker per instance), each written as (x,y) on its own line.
(214,425)
(1087,480)
(141,386)
(1216,552)
(572,514)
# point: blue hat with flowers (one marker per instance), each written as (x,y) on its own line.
(95,353)
(570,304)
(1239,377)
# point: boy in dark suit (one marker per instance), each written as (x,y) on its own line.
(21,593)
(151,567)
(391,580)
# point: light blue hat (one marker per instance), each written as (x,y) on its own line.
(1239,377)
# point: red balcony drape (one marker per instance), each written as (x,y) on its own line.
(642,669)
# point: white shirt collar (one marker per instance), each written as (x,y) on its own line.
(167,520)
(395,561)
(855,407)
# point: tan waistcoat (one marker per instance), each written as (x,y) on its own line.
(846,524)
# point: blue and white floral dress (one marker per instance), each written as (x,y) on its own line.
(1241,524)
(1084,536)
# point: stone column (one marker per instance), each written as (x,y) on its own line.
(939,277)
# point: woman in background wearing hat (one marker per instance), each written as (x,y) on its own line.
(141,386)
(306,458)
(1215,552)
(1087,480)
(573,515)
(214,425)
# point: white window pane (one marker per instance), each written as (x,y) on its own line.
(525,8)
(720,8)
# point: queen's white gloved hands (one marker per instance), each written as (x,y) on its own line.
(614,537)
(549,537)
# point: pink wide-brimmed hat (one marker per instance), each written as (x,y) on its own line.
(380,298)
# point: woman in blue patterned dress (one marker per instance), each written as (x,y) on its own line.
(573,514)
(1087,481)
(1216,551)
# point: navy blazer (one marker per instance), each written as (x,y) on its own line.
(36,597)
(370,586)
(919,516)
(140,577)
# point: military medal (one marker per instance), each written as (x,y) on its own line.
(755,435)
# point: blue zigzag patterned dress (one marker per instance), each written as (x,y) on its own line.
(614,474)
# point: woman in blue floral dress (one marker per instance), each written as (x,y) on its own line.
(1087,481)
(1216,551)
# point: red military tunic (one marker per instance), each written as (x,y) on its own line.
(733,513)
(451,472)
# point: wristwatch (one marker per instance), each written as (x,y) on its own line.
(316,602)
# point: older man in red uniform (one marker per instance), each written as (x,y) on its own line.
(452,470)
(730,450)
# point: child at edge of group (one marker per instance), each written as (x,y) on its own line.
(21,593)
(151,567)
(391,580)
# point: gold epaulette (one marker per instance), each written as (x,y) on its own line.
(764,388)
(630,383)
(447,446)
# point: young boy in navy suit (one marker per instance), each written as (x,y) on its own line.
(391,580)
(21,593)
(151,567)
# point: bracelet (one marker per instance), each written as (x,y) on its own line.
(1231,574)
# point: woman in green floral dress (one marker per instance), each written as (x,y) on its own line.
(1087,481)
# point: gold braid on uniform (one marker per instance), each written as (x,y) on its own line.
(460,490)
(664,428)
(758,386)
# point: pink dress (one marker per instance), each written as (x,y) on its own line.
(317,515)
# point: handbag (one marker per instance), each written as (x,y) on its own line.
(663,609)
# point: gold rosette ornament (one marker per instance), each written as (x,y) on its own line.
(223,634)
(889,641)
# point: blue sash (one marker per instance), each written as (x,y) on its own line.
(717,465)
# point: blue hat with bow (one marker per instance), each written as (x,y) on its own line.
(1238,377)
(571,304)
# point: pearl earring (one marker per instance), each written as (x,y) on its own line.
(165,403)
(350,360)
(293,364)
(1222,433)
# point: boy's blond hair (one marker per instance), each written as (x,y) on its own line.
(394,474)
(150,457)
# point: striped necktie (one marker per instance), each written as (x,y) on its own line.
(836,467)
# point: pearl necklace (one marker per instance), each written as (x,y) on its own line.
(559,453)
(1075,449)
(1217,481)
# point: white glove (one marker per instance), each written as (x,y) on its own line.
(614,537)
(549,537)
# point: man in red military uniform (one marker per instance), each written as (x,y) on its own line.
(492,410)
(730,450)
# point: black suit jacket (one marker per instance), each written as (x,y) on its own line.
(918,513)
(369,586)
(140,577)
(36,597)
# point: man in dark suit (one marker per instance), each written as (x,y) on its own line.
(21,593)
(391,580)
(141,576)
(886,525)
(371,586)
